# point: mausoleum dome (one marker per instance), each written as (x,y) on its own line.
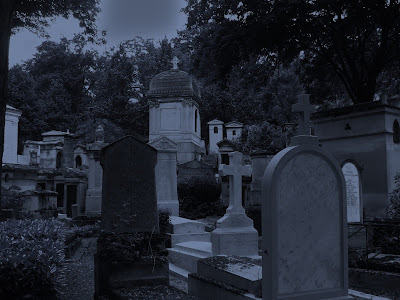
(173,83)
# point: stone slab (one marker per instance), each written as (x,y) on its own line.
(182,225)
(241,272)
(185,237)
(208,289)
(186,256)
(235,241)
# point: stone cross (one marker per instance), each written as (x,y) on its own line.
(235,170)
(175,61)
(304,108)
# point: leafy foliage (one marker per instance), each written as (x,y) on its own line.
(393,209)
(12,200)
(199,197)
(138,246)
(358,41)
(31,258)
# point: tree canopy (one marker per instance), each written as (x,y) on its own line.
(355,40)
(36,15)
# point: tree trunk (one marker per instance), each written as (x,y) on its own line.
(6,14)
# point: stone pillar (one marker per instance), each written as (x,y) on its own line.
(95,180)
(259,162)
(166,178)
(68,151)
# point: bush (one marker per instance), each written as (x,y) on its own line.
(12,200)
(199,197)
(393,209)
(254,213)
(31,259)
(138,246)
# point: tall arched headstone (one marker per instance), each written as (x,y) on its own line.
(352,178)
(304,221)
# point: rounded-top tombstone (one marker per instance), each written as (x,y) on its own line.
(129,188)
(304,223)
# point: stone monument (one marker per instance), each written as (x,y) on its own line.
(166,178)
(95,174)
(129,187)
(304,220)
(235,233)
(353,191)
(130,249)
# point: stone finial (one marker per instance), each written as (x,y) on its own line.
(99,134)
(304,109)
(175,61)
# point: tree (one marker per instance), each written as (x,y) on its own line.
(35,15)
(356,40)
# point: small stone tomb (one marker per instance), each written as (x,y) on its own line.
(304,222)
(352,177)
(235,233)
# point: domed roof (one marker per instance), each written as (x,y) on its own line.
(173,83)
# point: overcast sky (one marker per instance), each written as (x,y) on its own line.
(123,19)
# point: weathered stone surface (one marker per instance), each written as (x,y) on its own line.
(129,187)
(304,223)
(166,178)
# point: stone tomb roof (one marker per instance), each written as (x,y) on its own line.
(173,83)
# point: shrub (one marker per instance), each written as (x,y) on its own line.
(393,209)
(138,246)
(199,197)
(12,200)
(254,213)
(31,258)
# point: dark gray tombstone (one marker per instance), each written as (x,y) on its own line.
(129,212)
(129,189)
(75,211)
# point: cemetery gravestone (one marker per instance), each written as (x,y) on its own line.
(129,187)
(129,249)
(304,222)
(352,178)
(235,233)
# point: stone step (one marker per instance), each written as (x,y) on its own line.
(243,273)
(200,248)
(186,256)
(178,272)
(186,237)
(182,225)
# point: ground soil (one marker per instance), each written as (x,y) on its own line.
(80,280)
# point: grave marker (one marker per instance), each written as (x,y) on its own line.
(235,233)
(352,178)
(304,222)
(129,188)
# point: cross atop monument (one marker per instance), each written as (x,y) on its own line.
(175,61)
(304,108)
(235,170)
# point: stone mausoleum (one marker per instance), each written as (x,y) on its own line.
(365,139)
(174,101)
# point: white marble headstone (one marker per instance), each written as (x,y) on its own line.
(354,210)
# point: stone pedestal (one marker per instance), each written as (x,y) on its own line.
(166,178)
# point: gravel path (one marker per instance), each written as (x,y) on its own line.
(80,272)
